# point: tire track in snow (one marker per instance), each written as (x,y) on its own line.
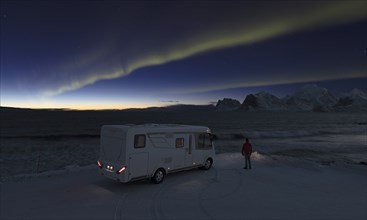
(118,209)
(215,180)
(156,205)
(200,196)
(237,179)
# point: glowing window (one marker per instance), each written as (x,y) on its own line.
(179,142)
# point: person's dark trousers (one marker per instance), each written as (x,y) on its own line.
(247,161)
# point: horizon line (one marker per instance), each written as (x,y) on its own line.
(102,109)
(210,103)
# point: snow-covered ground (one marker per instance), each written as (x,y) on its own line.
(307,166)
(38,141)
(276,188)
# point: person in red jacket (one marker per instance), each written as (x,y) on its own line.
(247,151)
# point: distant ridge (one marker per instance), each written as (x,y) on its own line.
(309,98)
(6,108)
(179,107)
(227,104)
(263,101)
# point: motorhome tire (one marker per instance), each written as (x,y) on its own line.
(158,176)
(208,164)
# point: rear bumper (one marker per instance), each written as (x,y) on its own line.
(122,177)
(109,170)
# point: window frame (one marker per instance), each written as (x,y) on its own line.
(136,140)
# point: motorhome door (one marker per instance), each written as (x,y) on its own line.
(138,165)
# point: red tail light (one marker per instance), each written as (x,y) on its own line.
(99,164)
(121,170)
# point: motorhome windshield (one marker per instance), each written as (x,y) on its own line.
(203,141)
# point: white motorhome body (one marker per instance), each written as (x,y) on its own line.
(132,152)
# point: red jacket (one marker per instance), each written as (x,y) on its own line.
(246,148)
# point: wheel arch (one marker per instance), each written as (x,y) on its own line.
(159,168)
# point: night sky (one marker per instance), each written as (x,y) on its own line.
(127,54)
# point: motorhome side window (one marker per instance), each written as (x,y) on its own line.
(179,142)
(203,141)
(139,141)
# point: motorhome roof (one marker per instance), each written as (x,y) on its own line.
(159,126)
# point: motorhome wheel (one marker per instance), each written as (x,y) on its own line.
(208,164)
(158,176)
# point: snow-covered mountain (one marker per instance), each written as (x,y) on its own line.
(311,98)
(227,104)
(263,101)
(355,100)
(358,96)
(306,99)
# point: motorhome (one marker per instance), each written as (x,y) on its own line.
(133,152)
